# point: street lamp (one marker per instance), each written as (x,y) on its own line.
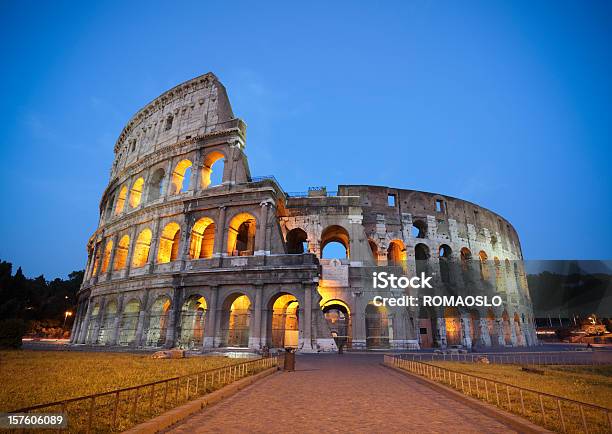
(66,315)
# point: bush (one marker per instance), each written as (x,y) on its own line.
(11,333)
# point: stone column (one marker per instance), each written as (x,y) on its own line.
(76,323)
(255,338)
(211,319)
(142,317)
(85,323)
(118,317)
(196,168)
(131,248)
(173,320)
(154,245)
(167,180)
(219,245)
(358,323)
(307,318)
(111,260)
(500,332)
(184,246)
(441,332)
(485,337)
(96,329)
(260,235)
(466,329)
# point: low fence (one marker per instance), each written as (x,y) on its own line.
(521,358)
(121,409)
(550,411)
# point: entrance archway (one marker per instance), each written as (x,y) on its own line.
(107,330)
(193,314)
(158,322)
(377,326)
(236,323)
(338,317)
(283,321)
(453,326)
(129,322)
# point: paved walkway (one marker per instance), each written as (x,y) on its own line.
(333,393)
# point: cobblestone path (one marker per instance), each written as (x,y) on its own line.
(339,393)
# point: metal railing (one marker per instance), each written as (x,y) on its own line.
(550,411)
(522,358)
(121,409)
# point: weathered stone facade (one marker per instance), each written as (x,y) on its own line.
(181,260)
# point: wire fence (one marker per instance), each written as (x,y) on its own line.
(550,411)
(521,358)
(120,409)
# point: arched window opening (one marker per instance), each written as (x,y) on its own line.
(338,317)
(141,249)
(507,265)
(236,321)
(241,235)
(97,257)
(109,206)
(212,170)
(283,324)
(129,323)
(121,253)
(335,243)
(377,326)
(396,253)
(169,243)
(158,322)
(484,265)
(121,200)
(169,121)
(444,254)
(107,254)
(156,184)
(108,325)
(202,239)
(454,333)
(93,320)
(419,229)
(180,177)
(193,315)
(136,192)
(421,256)
(466,257)
(493,241)
(297,241)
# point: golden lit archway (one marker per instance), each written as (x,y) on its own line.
(241,235)
(236,320)
(121,200)
(107,254)
(179,181)
(202,239)
(396,253)
(121,253)
(193,315)
(207,169)
(141,250)
(169,243)
(136,192)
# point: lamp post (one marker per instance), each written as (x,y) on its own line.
(66,315)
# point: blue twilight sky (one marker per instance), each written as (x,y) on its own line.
(506,104)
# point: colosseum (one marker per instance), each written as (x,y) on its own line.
(192,251)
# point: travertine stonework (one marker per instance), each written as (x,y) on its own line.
(181,258)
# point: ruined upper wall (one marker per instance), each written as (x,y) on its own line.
(195,107)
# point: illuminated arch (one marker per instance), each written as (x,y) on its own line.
(136,192)
(141,249)
(121,200)
(377,326)
(121,253)
(158,321)
(396,253)
(180,182)
(129,322)
(210,161)
(484,266)
(169,243)
(241,235)
(193,315)
(155,184)
(454,331)
(108,248)
(202,240)
(236,320)
(338,317)
(283,321)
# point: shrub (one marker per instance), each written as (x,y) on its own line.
(11,333)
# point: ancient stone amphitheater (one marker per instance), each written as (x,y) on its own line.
(192,251)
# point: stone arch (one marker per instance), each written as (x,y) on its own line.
(338,317)
(373,249)
(121,200)
(236,320)
(192,321)
(202,243)
(444,259)
(241,235)
(169,242)
(108,323)
(156,184)
(421,256)
(492,327)
(335,234)
(396,253)
(507,328)
(213,162)
(180,176)
(136,192)
(141,249)
(297,241)
(283,321)
(121,253)
(129,322)
(484,265)
(419,229)
(377,326)
(454,331)
(157,328)
(94,319)
(108,248)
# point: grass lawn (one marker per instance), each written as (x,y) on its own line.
(591,384)
(37,377)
